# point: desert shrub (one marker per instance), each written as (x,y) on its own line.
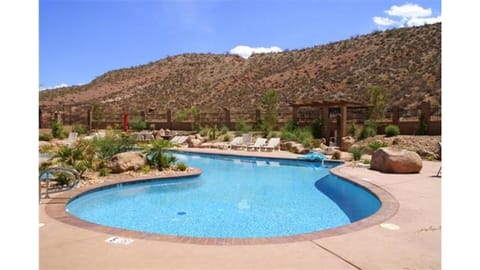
(204,131)
(137,124)
(241,126)
(316,128)
(289,126)
(392,130)
(212,135)
(80,129)
(226,138)
(352,130)
(422,125)
(112,144)
(146,169)
(181,166)
(80,157)
(356,152)
(45,137)
(104,172)
(57,130)
(224,130)
(368,130)
(336,155)
(374,145)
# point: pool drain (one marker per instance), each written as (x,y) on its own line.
(181,213)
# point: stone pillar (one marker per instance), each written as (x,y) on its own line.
(169,119)
(326,124)
(342,131)
(295,114)
(395,115)
(227,117)
(258,116)
(339,136)
(89,119)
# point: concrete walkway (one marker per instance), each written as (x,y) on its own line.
(411,239)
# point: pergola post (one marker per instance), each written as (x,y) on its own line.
(295,114)
(326,123)
(169,119)
(227,117)
(342,132)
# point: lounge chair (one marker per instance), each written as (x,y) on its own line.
(236,142)
(273,143)
(260,142)
(246,141)
(72,137)
(179,139)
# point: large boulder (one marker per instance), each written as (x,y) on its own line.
(126,161)
(346,143)
(395,160)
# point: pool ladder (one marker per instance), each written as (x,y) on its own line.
(47,175)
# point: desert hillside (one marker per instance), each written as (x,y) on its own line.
(405,61)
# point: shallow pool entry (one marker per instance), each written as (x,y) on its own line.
(233,198)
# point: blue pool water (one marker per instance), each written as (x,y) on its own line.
(233,197)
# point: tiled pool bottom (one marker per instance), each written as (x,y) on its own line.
(243,205)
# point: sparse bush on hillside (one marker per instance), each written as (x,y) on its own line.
(241,126)
(369,129)
(316,127)
(45,137)
(392,130)
(374,145)
(137,124)
(57,130)
(80,129)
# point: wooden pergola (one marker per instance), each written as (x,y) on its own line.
(325,107)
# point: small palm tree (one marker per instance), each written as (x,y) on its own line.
(80,156)
(156,157)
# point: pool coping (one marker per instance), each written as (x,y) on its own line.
(55,208)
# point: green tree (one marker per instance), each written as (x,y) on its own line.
(377,97)
(269,105)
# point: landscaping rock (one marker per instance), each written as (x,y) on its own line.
(298,148)
(346,143)
(194,142)
(126,161)
(395,160)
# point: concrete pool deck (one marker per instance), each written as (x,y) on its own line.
(409,239)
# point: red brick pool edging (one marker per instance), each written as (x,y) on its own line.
(55,208)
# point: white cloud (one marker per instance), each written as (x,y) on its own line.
(406,15)
(53,87)
(422,21)
(409,11)
(246,51)
(383,21)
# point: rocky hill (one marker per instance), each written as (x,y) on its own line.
(406,61)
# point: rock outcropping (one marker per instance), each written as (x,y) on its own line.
(395,160)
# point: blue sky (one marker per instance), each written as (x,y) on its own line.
(82,39)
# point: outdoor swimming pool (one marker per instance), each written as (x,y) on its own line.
(234,197)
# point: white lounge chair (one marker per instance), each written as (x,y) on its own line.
(236,142)
(179,139)
(273,143)
(257,145)
(72,137)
